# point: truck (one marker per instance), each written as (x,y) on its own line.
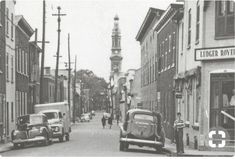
(58,116)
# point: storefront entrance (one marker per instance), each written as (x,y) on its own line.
(222,101)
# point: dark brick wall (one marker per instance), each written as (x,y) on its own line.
(166,73)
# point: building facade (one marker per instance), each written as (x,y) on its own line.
(167,31)
(23,32)
(8,37)
(136,90)
(34,78)
(148,41)
(205,74)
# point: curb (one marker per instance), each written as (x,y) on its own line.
(2,150)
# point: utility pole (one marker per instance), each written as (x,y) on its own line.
(58,50)
(69,71)
(74,89)
(43,51)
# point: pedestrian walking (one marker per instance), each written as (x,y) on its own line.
(117,117)
(103,120)
(110,122)
(178,129)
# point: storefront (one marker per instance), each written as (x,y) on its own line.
(217,92)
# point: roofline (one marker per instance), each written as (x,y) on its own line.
(168,10)
(145,21)
(30,29)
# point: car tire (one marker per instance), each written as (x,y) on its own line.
(67,137)
(61,138)
(46,142)
(16,146)
(121,146)
(159,149)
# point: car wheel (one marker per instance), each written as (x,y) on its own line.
(121,146)
(67,137)
(16,146)
(159,149)
(21,145)
(61,138)
(46,141)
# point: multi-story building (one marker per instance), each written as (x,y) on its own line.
(136,90)
(166,33)
(2,70)
(148,41)
(23,32)
(205,79)
(7,17)
(34,79)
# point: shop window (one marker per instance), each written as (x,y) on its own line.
(224,19)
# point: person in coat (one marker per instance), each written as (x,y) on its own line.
(103,120)
(110,122)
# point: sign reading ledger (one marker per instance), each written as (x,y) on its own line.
(215,53)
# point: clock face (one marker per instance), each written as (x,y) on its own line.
(116,52)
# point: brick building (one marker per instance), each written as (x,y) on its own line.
(23,33)
(167,30)
(148,41)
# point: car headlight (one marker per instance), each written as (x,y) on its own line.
(15,133)
(57,128)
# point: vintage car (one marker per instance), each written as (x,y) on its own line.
(31,128)
(142,128)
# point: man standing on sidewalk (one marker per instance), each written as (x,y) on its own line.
(178,126)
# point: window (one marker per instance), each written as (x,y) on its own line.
(224,19)
(12,112)
(7,20)
(197,22)
(189,28)
(169,43)
(12,69)
(7,67)
(26,63)
(173,48)
(12,23)
(21,61)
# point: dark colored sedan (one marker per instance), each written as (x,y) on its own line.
(142,128)
(31,128)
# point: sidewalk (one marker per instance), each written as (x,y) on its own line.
(171,148)
(6,147)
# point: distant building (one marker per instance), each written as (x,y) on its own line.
(116,66)
(49,87)
(136,90)
(148,42)
(23,32)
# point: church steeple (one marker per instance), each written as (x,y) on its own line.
(116,58)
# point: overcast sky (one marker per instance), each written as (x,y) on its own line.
(90,24)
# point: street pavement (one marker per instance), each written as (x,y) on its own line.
(87,139)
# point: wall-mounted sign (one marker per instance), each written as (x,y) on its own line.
(215,53)
(178,95)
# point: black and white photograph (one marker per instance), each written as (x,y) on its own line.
(117,78)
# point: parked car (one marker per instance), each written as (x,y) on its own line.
(85,117)
(58,117)
(33,128)
(142,128)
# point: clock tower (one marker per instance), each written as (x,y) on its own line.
(116,57)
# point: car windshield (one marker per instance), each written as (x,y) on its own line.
(143,117)
(51,115)
(34,120)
